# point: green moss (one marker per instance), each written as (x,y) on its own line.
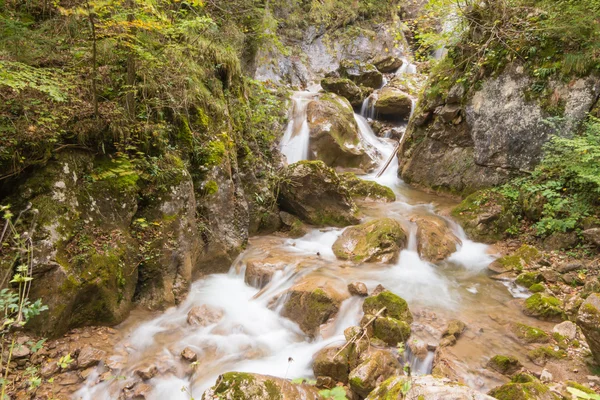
(505,365)
(581,387)
(537,288)
(366,190)
(544,307)
(211,187)
(530,334)
(119,175)
(273,390)
(391,331)
(395,306)
(528,279)
(544,353)
(521,391)
(233,382)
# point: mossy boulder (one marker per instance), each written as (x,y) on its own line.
(379,365)
(312,302)
(328,363)
(334,137)
(435,239)
(314,193)
(525,256)
(505,365)
(363,74)
(387,64)
(245,386)
(485,216)
(523,387)
(391,326)
(452,332)
(588,320)
(379,240)
(529,334)
(541,355)
(393,103)
(425,387)
(528,279)
(361,189)
(544,307)
(346,88)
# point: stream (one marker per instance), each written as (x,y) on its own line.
(253,337)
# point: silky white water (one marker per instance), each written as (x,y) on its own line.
(294,145)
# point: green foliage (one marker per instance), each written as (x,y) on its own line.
(337,393)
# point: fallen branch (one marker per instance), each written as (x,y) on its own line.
(361,333)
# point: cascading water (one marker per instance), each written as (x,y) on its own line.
(407,67)
(252,336)
(294,144)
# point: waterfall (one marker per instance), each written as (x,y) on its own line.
(295,142)
(367,109)
(406,68)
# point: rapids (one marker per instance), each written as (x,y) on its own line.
(253,337)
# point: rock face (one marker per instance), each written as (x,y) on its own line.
(426,387)
(463,145)
(346,88)
(379,240)
(361,189)
(394,103)
(435,239)
(313,192)
(588,320)
(311,303)
(334,133)
(361,73)
(243,386)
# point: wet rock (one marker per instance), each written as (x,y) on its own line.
(361,189)
(393,102)
(505,365)
(544,307)
(388,64)
(529,334)
(418,348)
(346,88)
(435,239)
(313,192)
(379,366)
(147,372)
(244,386)
(592,235)
(361,73)
(426,387)
(141,391)
(393,324)
(445,364)
(523,386)
(588,320)
(89,356)
(358,289)
(260,272)
(334,135)
(189,355)
(311,303)
(295,227)
(453,331)
(326,364)
(68,379)
(204,315)
(379,240)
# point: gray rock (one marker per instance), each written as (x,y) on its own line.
(358,289)
(89,356)
(592,235)
(588,320)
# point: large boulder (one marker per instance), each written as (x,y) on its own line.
(346,88)
(524,386)
(313,192)
(244,386)
(378,366)
(393,102)
(313,302)
(544,307)
(379,240)
(361,189)
(334,135)
(588,320)
(335,363)
(361,73)
(425,387)
(435,239)
(393,324)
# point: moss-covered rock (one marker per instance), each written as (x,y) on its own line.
(395,306)
(346,88)
(588,320)
(392,326)
(523,387)
(327,364)
(505,365)
(544,307)
(528,279)
(244,386)
(378,367)
(424,387)
(452,332)
(361,73)
(524,257)
(361,189)
(435,239)
(311,303)
(541,355)
(529,334)
(379,240)
(313,192)
(334,135)
(393,102)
